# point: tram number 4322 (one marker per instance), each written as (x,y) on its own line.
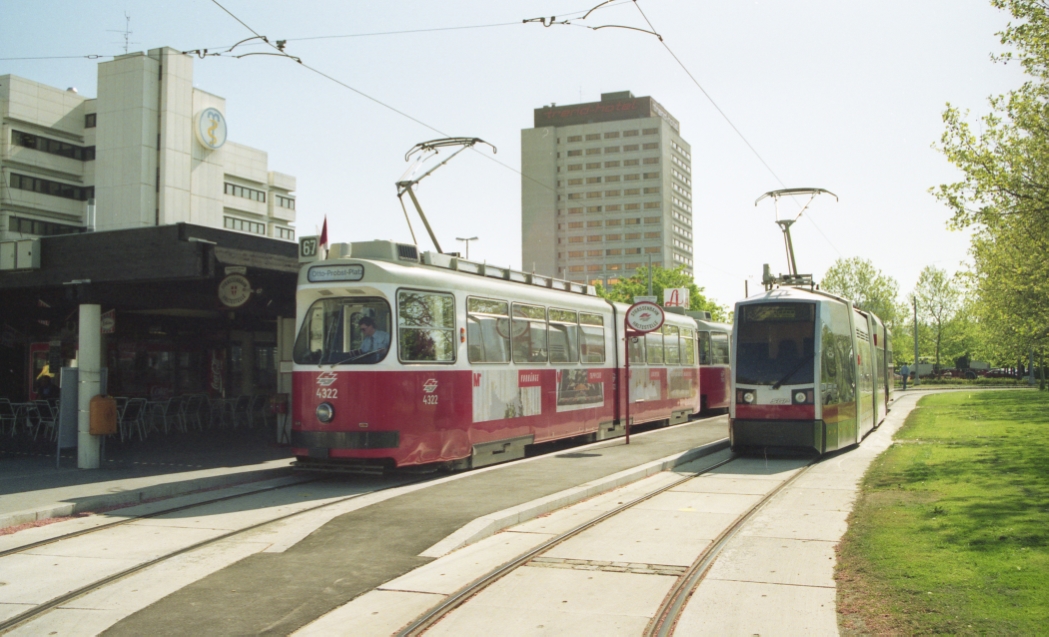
(325,393)
(430,399)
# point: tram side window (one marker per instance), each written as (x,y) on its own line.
(529,334)
(836,360)
(592,342)
(564,336)
(636,347)
(688,346)
(331,332)
(654,345)
(719,348)
(488,330)
(672,344)
(426,326)
(704,348)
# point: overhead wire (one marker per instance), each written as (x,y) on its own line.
(730,123)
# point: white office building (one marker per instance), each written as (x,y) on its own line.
(150,150)
(606,186)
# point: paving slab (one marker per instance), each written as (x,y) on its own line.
(646,536)
(819,498)
(454,571)
(776,561)
(721,607)
(691,502)
(785,521)
(525,622)
(722,484)
(376,613)
(35,579)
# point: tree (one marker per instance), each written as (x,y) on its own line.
(939,299)
(859,281)
(626,289)
(1004,191)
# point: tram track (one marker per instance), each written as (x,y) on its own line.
(663,622)
(45,607)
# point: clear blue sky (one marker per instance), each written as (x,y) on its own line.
(840,95)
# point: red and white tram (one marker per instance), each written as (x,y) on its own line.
(406,359)
(715,371)
(812,372)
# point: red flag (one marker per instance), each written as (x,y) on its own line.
(323,243)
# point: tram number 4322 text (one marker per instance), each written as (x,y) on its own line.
(327,393)
(430,399)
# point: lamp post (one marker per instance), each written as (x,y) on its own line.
(467,240)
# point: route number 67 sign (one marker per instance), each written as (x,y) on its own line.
(644,317)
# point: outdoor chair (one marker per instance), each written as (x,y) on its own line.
(189,411)
(7,417)
(240,411)
(43,416)
(131,418)
(257,409)
(167,412)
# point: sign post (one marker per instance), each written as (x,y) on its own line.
(641,318)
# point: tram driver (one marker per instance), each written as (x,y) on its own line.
(373,345)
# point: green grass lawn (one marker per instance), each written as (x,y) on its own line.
(950,533)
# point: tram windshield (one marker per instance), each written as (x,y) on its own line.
(341,331)
(776,344)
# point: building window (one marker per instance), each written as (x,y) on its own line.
(633,177)
(285,202)
(651,160)
(575,239)
(653,219)
(575,138)
(631,162)
(654,175)
(612,178)
(613,222)
(631,236)
(593,195)
(650,146)
(611,164)
(612,135)
(593,268)
(612,252)
(653,250)
(594,238)
(593,151)
(575,195)
(575,224)
(593,224)
(90,120)
(575,153)
(572,167)
(593,208)
(284,233)
(613,266)
(652,235)
(52,146)
(593,136)
(575,211)
(243,225)
(632,206)
(611,149)
(654,190)
(612,208)
(246,193)
(611,193)
(593,165)
(575,182)
(613,237)
(52,188)
(650,131)
(593,253)
(630,147)
(633,221)
(40,228)
(575,254)
(593,180)
(632,191)
(575,268)
(650,205)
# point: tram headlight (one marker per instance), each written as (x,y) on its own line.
(745,397)
(802,397)
(325,412)
(799,397)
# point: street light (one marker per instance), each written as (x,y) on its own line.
(467,240)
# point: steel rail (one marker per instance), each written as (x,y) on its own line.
(424,622)
(663,622)
(40,609)
(72,534)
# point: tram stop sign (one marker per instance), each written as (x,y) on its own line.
(644,317)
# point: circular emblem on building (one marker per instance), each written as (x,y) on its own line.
(210,128)
(644,316)
(234,290)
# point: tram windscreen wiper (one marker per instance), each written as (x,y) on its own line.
(328,349)
(804,360)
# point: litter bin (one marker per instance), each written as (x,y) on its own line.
(103,416)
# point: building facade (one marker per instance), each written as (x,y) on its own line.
(150,150)
(605,187)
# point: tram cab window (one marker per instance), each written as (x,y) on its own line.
(487,330)
(672,344)
(704,348)
(331,333)
(654,345)
(564,336)
(719,348)
(775,344)
(592,341)
(688,346)
(426,326)
(528,333)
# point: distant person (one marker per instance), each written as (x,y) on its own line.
(375,341)
(48,389)
(905,372)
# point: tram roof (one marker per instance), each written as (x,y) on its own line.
(790,293)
